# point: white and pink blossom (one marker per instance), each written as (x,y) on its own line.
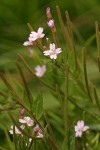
(27,120)
(53,52)
(40,70)
(36,35)
(17,131)
(80,128)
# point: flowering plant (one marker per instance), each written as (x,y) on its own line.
(63,73)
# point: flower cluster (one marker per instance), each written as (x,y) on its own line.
(34,36)
(17,131)
(53,51)
(27,120)
(80,128)
(29,123)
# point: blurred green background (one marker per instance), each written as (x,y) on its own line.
(14,16)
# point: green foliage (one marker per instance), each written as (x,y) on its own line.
(69,88)
(38,107)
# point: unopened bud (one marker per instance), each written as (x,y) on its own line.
(51,23)
(36,128)
(48,10)
(47,39)
(48,13)
(22,112)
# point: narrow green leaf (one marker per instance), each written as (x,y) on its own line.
(72,139)
(38,107)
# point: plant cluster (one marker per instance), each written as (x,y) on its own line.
(74,123)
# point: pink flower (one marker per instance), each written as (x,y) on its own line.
(27,120)
(53,52)
(36,35)
(40,70)
(17,131)
(51,23)
(28,43)
(80,128)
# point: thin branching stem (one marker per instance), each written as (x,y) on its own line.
(72,38)
(25,85)
(96,98)
(50,131)
(30,27)
(66,107)
(64,30)
(30,70)
(99,63)
(85,73)
(97,37)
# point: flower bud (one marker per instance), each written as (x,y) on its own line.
(51,23)
(47,39)
(48,13)
(48,10)
(36,128)
(22,112)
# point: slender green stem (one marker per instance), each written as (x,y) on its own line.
(99,63)
(25,85)
(73,99)
(66,107)
(72,38)
(54,32)
(85,73)
(64,30)
(50,131)
(30,70)
(96,98)
(60,99)
(17,125)
(14,138)
(98,37)
(30,27)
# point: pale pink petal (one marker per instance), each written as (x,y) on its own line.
(22,120)
(85,128)
(53,56)
(27,43)
(52,47)
(33,34)
(58,50)
(80,123)
(46,53)
(40,30)
(32,39)
(76,128)
(79,133)
(40,136)
(42,35)
(40,70)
